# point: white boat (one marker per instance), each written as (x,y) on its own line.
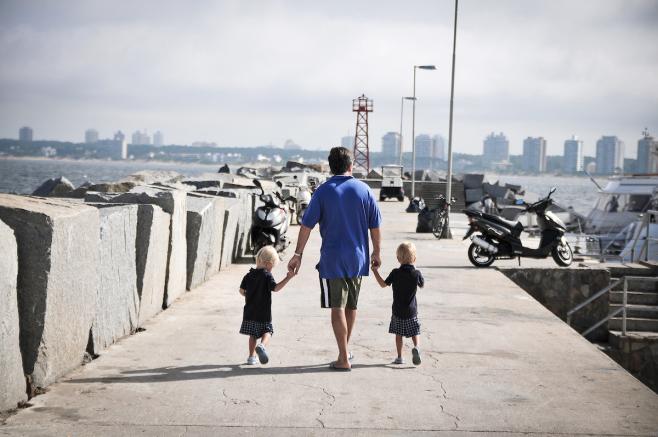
(622,201)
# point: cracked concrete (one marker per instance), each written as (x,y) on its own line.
(494,362)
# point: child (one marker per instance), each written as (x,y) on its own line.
(257,287)
(405,280)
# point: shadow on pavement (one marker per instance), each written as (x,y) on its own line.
(186,373)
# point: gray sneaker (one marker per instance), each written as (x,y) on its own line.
(251,361)
(399,360)
(415,353)
(262,354)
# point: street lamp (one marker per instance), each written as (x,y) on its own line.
(401,113)
(446,231)
(413,131)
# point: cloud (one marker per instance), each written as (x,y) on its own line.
(247,73)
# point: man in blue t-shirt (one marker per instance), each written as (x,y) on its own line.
(346,209)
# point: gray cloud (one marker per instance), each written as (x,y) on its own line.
(242,73)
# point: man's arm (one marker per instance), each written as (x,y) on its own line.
(376,237)
(296,260)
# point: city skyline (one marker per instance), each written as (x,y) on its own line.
(284,67)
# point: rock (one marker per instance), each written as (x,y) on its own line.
(205,225)
(58,270)
(12,380)
(113,187)
(152,247)
(173,203)
(117,301)
(94,196)
(152,176)
(55,187)
(231,217)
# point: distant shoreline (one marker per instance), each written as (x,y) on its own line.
(108,161)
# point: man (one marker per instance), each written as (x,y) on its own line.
(346,209)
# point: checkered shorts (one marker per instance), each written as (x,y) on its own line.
(405,327)
(256,329)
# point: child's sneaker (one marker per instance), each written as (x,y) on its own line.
(262,354)
(252,361)
(415,352)
(399,360)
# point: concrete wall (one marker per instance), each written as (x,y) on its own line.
(12,381)
(560,289)
(57,281)
(230,234)
(205,226)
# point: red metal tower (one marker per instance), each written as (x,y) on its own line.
(362,106)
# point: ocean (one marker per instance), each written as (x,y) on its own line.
(23,176)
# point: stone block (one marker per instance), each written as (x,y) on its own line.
(12,380)
(205,225)
(117,301)
(57,281)
(172,202)
(231,217)
(54,187)
(152,247)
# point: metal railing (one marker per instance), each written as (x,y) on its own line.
(622,309)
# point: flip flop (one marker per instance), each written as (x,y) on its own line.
(332,366)
(350,357)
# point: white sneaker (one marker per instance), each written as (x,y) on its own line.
(415,352)
(262,354)
(399,360)
(251,361)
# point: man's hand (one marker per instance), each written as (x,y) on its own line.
(375,260)
(294,264)
(290,274)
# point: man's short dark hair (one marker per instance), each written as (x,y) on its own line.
(340,159)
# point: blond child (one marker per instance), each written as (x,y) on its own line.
(257,287)
(405,281)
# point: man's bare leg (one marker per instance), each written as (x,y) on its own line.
(350,317)
(339,324)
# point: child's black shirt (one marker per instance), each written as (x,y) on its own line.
(258,284)
(405,280)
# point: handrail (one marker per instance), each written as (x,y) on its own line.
(623,308)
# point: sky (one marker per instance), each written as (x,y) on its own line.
(248,73)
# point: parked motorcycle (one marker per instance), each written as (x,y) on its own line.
(270,221)
(500,239)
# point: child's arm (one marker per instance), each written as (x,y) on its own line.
(243,291)
(285,280)
(379,278)
(421,280)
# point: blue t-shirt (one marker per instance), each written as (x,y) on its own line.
(345,209)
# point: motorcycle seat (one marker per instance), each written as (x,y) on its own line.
(515,226)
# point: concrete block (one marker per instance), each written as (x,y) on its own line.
(117,301)
(172,202)
(57,281)
(205,225)
(54,187)
(12,380)
(231,217)
(152,246)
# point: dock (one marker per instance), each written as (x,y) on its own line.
(495,362)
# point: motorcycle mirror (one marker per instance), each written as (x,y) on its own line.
(552,190)
(257,183)
(279,184)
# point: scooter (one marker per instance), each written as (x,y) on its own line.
(270,221)
(500,239)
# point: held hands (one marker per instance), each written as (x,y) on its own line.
(294,264)
(290,274)
(375,261)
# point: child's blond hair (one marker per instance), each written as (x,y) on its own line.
(406,253)
(267,254)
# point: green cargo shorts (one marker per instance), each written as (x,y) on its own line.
(340,292)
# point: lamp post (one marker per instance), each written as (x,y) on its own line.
(401,114)
(446,231)
(413,131)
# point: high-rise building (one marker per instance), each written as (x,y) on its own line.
(347,142)
(572,161)
(439,147)
(158,139)
(391,144)
(496,149)
(91,136)
(25,134)
(424,146)
(647,148)
(609,155)
(140,138)
(534,155)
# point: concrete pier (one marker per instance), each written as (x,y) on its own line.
(494,361)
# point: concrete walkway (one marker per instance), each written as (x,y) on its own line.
(494,361)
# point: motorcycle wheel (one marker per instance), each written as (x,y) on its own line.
(438,223)
(562,254)
(479,257)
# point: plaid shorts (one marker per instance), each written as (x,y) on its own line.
(256,329)
(405,327)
